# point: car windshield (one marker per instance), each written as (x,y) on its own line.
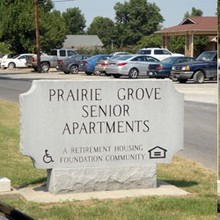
(206,56)
(14,57)
(104,58)
(168,60)
(125,57)
(74,56)
(93,57)
(118,53)
(115,57)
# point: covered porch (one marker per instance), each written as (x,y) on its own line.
(190,27)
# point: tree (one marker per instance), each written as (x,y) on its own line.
(74,20)
(52,30)
(104,28)
(18,29)
(194,12)
(135,19)
(152,40)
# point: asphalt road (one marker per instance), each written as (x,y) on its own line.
(200,128)
(200,133)
(11,88)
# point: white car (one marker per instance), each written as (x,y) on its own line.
(159,53)
(132,65)
(3,58)
(16,61)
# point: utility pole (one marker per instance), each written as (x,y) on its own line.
(37,34)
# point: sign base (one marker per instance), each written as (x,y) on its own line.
(101,179)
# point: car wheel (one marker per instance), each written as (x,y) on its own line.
(116,75)
(133,73)
(45,67)
(182,80)
(88,73)
(11,65)
(67,72)
(96,72)
(35,69)
(198,77)
(74,69)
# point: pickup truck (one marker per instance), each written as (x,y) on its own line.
(50,61)
(203,67)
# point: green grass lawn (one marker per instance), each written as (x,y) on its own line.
(188,175)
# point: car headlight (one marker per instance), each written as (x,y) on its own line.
(185,68)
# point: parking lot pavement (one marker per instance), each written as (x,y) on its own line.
(206,92)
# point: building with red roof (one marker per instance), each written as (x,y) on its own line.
(191,26)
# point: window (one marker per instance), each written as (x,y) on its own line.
(62,53)
(144,52)
(22,57)
(151,59)
(161,52)
(70,53)
(139,58)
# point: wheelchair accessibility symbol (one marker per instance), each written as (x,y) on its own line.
(47,158)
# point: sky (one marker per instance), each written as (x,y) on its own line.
(172,10)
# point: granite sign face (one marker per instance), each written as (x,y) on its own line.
(101,123)
(69,124)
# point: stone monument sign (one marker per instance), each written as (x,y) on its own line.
(101,134)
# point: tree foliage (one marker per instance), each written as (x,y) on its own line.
(194,12)
(135,24)
(104,28)
(75,20)
(52,30)
(135,19)
(18,27)
(152,40)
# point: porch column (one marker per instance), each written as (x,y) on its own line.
(165,41)
(189,47)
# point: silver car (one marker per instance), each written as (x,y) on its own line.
(102,64)
(132,65)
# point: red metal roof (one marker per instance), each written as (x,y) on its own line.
(196,24)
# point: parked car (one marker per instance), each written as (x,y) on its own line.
(119,53)
(132,65)
(70,65)
(88,65)
(203,67)
(17,61)
(102,64)
(3,57)
(50,61)
(163,68)
(159,53)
